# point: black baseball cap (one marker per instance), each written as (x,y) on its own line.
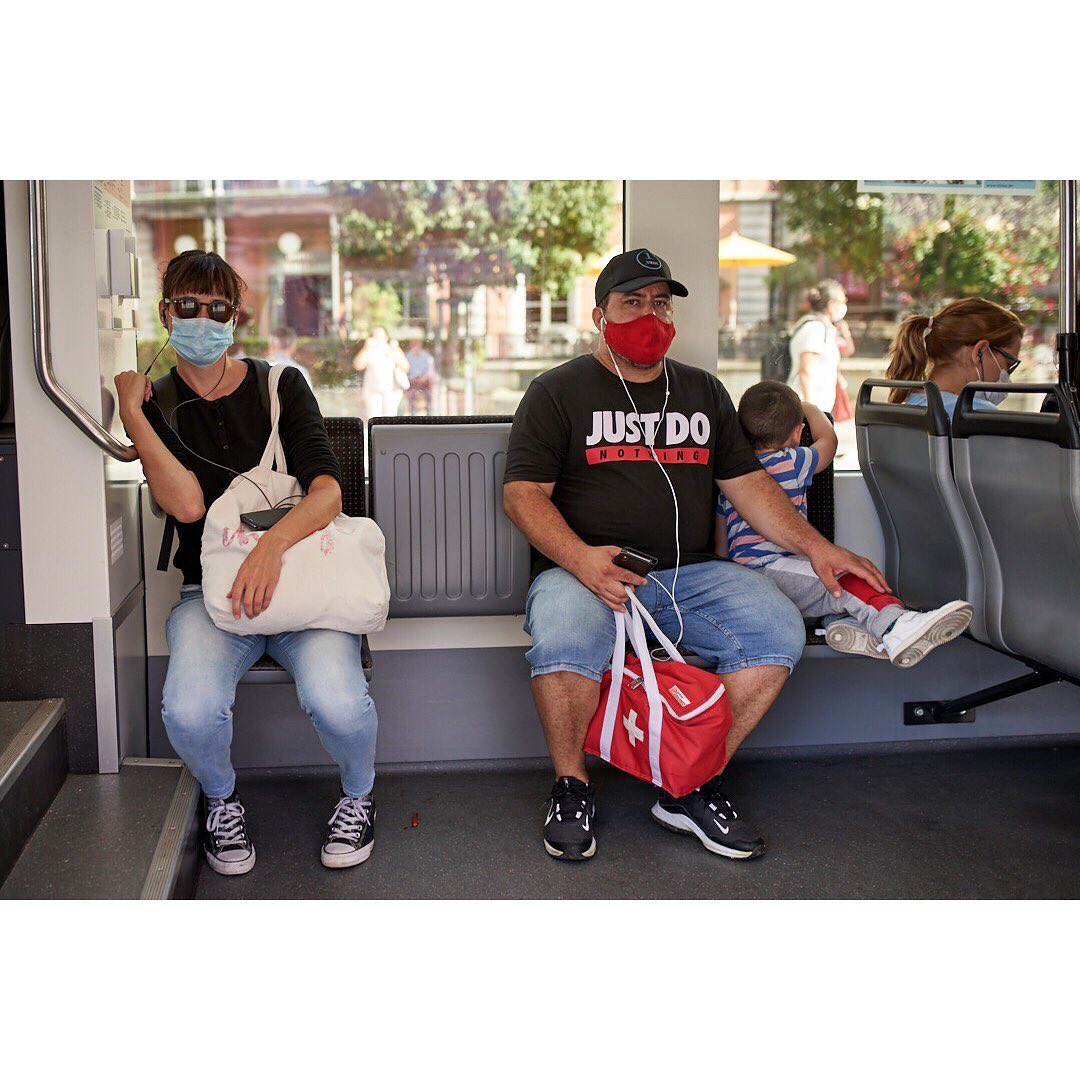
(633,270)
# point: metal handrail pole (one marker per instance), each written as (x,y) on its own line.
(1068,345)
(42,340)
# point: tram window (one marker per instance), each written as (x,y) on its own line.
(894,254)
(493,278)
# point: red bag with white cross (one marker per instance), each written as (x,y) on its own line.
(662,721)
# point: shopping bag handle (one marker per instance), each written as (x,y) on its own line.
(628,624)
(661,637)
(636,630)
(618,667)
(273,457)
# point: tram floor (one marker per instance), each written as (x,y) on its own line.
(992,822)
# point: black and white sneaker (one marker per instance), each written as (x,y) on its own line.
(352,832)
(228,848)
(568,828)
(708,814)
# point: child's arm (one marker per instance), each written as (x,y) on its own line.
(823,434)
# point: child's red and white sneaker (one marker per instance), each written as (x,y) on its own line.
(917,633)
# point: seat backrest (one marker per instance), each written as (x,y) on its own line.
(436,493)
(1019,476)
(931,555)
(346,434)
(820,497)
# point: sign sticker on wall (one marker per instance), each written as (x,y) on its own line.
(950,187)
(112,204)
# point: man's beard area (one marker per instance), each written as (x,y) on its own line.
(652,365)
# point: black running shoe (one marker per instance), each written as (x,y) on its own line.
(228,848)
(568,830)
(352,832)
(708,814)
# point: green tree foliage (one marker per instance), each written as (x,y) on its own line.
(1005,249)
(831,218)
(952,256)
(927,248)
(480,232)
(375,305)
(566,222)
(461,234)
(460,230)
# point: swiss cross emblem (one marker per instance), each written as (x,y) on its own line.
(632,730)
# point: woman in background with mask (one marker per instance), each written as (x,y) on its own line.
(386,374)
(972,340)
(219,428)
(815,346)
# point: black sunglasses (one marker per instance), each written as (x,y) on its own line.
(1014,361)
(188,307)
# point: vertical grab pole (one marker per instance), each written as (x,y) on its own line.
(1067,343)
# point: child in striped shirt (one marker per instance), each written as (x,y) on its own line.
(860,620)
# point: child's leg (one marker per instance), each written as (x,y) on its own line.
(795,578)
(874,610)
(853,625)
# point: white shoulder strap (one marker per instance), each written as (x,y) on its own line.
(652,692)
(662,639)
(618,667)
(274,455)
(629,624)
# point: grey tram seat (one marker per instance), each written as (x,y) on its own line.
(436,493)
(931,554)
(1019,476)
(821,497)
(346,434)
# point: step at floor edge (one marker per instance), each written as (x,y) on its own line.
(174,864)
(27,741)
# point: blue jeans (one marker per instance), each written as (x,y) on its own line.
(733,617)
(206,663)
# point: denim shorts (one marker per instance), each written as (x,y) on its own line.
(733,616)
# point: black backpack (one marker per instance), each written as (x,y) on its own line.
(776,360)
(167,399)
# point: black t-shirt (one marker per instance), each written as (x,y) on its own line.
(233,430)
(576,428)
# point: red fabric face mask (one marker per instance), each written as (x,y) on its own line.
(645,341)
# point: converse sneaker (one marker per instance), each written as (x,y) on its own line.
(568,828)
(352,832)
(708,814)
(917,633)
(228,849)
(850,637)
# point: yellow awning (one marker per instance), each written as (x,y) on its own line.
(739,250)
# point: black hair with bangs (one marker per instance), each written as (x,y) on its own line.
(203,273)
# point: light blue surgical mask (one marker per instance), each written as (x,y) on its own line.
(996,397)
(200,341)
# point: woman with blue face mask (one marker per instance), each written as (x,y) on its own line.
(219,428)
(972,340)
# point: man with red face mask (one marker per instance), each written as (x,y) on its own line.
(625,447)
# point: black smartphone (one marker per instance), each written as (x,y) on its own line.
(637,562)
(261,520)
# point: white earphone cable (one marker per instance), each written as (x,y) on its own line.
(671,486)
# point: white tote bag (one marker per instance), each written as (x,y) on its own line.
(334,579)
